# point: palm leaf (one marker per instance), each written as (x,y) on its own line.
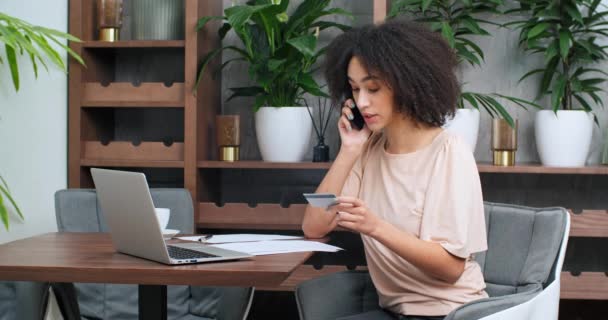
(5,191)
(12,62)
(3,212)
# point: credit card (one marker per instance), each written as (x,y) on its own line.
(321,200)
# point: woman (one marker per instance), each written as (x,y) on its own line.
(410,188)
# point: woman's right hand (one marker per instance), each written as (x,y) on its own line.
(352,139)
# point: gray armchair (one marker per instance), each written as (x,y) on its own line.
(26,300)
(521,268)
(77,210)
(8,300)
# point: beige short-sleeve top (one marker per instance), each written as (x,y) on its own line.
(434,194)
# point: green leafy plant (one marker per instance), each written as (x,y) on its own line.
(281,49)
(566,33)
(19,38)
(457,21)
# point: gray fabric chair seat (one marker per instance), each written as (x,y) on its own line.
(523,247)
(78,211)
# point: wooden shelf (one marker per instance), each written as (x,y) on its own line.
(125,94)
(124,150)
(540,169)
(530,168)
(589,223)
(586,286)
(242,216)
(263,165)
(131,163)
(135,44)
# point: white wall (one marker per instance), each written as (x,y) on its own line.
(33,127)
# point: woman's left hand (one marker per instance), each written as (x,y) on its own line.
(353,214)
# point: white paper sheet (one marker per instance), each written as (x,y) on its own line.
(272,247)
(240,237)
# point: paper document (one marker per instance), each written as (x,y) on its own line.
(240,237)
(260,248)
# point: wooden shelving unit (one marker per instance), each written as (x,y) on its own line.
(121,94)
(95,150)
(586,286)
(531,168)
(589,223)
(131,163)
(263,165)
(117,97)
(536,168)
(243,216)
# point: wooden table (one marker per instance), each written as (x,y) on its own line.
(90,257)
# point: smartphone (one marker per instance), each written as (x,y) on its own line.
(358,122)
(321,200)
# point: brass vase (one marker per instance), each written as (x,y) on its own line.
(228,136)
(504,142)
(109,19)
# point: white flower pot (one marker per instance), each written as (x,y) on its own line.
(563,140)
(283,134)
(465,124)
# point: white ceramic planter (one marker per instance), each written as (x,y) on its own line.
(283,134)
(465,124)
(563,140)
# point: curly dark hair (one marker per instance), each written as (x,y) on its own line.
(416,63)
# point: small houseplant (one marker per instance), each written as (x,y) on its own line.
(20,37)
(566,33)
(281,50)
(457,21)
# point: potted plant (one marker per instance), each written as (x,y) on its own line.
(20,37)
(566,33)
(458,21)
(281,50)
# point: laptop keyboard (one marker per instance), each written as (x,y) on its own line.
(183,253)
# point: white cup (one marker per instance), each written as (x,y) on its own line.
(163,217)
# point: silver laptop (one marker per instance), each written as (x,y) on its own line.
(129,212)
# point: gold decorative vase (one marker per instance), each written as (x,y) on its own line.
(109,19)
(504,142)
(228,136)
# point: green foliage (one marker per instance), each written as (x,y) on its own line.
(566,33)
(6,193)
(20,37)
(281,49)
(457,21)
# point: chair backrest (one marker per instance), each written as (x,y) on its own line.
(8,300)
(526,249)
(77,210)
(523,247)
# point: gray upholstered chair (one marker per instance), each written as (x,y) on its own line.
(26,300)
(8,300)
(521,267)
(77,210)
